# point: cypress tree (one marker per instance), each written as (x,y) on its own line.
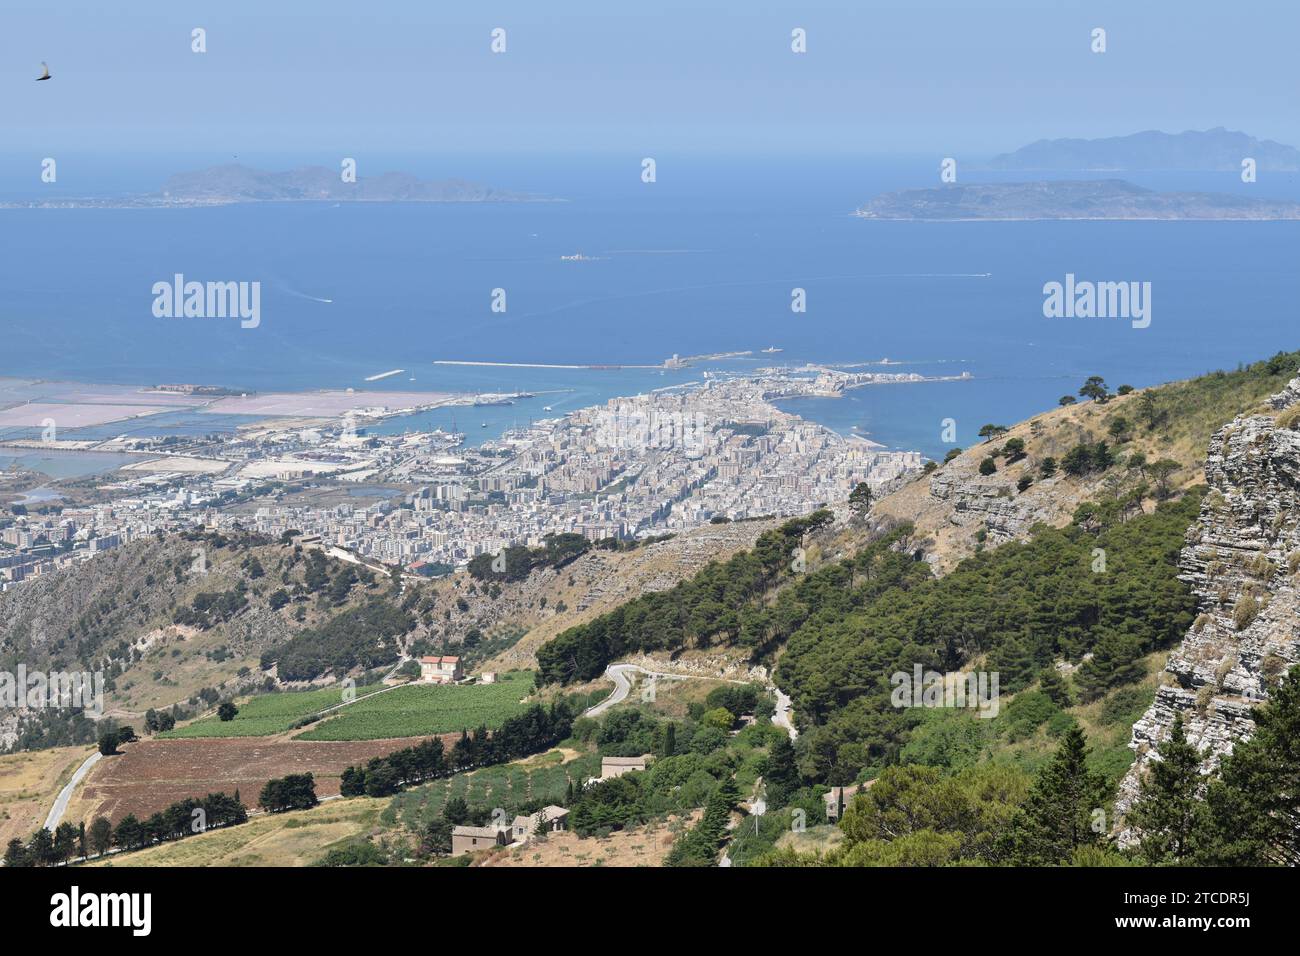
(782,776)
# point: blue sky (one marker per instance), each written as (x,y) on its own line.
(708,77)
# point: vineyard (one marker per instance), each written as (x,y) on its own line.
(420,710)
(270,713)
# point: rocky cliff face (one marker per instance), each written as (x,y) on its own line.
(989,502)
(1241,560)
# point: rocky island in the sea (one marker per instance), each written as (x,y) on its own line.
(1076,199)
(1211,150)
(234,183)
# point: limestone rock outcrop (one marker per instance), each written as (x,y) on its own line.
(1241,560)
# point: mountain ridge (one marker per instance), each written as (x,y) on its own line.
(1212,150)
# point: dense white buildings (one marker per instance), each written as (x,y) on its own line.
(649,464)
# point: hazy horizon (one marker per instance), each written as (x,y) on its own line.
(917,77)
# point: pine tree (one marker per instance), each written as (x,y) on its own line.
(699,847)
(41,848)
(1254,808)
(16,854)
(1064,810)
(1051,683)
(1169,814)
(782,776)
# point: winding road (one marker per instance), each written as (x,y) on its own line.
(620,674)
(61,803)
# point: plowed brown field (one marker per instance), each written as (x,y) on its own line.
(150,775)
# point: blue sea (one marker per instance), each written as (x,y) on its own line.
(701,261)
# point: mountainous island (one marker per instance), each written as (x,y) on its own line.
(1211,150)
(1076,199)
(234,183)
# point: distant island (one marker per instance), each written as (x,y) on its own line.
(1081,199)
(233,183)
(1211,150)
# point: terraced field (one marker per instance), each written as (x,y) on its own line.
(421,710)
(270,714)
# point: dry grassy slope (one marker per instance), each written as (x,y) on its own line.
(951,506)
(646,845)
(29,782)
(602,580)
(297,838)
(130,595)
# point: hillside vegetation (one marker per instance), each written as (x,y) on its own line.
(1155,441)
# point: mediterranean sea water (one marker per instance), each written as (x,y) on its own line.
(704,260)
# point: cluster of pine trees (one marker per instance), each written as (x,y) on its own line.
(1111,591)
(537,729)
(1246,813)
(181,819)
(362,637)
(297,791)
(517,562)
(711,605)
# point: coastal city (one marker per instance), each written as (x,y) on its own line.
(427,503)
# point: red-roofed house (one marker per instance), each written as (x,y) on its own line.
(440,670)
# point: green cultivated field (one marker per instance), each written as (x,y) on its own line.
(423,709)
(269,713)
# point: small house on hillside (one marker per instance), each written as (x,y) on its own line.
(839,798)
(441,670)
(466,839)
(549,819)
(611,767)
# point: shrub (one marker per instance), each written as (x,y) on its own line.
(1245,612)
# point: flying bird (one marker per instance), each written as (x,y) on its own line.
(45,72)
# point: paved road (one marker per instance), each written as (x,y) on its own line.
(621,674)
(61,804)
(782,715)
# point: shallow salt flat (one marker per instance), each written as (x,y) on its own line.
(88,393)
(67,416)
